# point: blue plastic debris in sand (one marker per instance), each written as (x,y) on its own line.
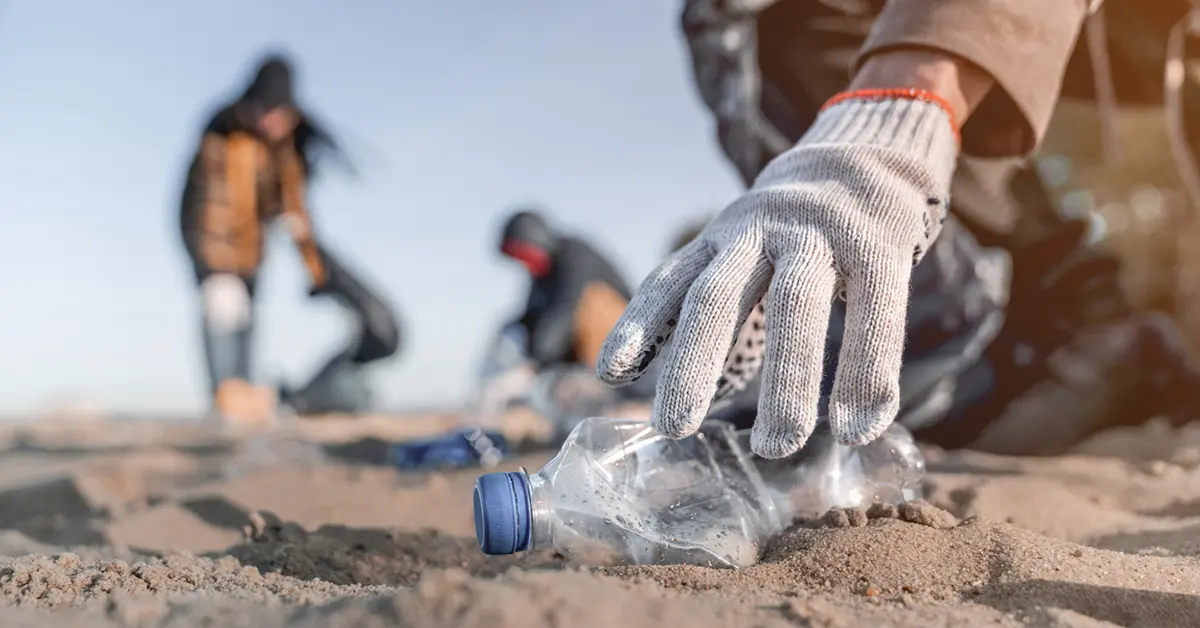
(457,450)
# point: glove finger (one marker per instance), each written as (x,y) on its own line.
(798,305)
(866,388)
(651,315)
(744,361)
(715,305)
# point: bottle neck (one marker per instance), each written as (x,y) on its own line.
(541,515)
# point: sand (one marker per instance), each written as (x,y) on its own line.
(133,523)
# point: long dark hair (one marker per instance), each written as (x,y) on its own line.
(314,143)
(272,87)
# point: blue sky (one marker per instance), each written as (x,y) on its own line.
(454,111)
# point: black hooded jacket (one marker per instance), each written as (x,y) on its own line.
(554,301)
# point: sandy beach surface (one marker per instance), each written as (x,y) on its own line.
(136,523)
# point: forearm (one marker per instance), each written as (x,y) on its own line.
(960,83)
(299,222)
(295,207)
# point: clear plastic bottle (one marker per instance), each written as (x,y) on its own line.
(619,492)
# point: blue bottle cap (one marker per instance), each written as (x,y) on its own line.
(502,513)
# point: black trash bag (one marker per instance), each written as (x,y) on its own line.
(340,385)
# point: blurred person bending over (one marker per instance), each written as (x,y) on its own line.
(253,165)
(856,250)
(575,293)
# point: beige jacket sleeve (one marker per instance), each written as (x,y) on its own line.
(1023,44)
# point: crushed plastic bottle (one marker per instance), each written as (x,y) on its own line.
(620,493)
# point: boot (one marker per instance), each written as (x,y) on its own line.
(239,403)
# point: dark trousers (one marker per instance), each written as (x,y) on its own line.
(228,351)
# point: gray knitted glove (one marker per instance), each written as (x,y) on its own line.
(848,211)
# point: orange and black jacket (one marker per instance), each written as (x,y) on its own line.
(235,185)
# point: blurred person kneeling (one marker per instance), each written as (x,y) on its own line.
(253,165)
(575,297)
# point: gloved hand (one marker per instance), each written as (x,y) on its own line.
(849,211)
